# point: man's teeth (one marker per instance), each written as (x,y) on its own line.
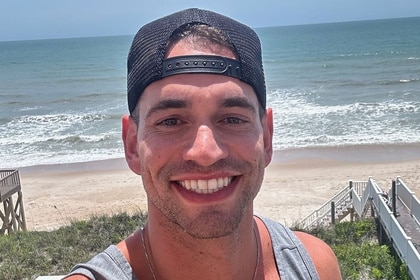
(206,186)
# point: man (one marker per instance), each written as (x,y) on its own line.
(200,136)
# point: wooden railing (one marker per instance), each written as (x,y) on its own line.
(409,199)
(13,217)
(367,194)
(320,216)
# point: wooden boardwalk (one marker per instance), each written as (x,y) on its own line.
(409,224)
(402,229)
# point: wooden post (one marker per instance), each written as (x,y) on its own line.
(333,212)
(372,210)
(9,217)
(20,212)
(380,232)
(394,198)
(351,199)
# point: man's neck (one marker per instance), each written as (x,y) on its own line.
(175,254)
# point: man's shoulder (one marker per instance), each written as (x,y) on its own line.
(322,256)
(108,264)
(320,253)
(313,243)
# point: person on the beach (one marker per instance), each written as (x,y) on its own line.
(200,136)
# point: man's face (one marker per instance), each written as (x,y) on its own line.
(201,148)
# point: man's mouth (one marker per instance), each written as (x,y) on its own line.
(206,186)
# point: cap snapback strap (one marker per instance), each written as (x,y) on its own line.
(201,64)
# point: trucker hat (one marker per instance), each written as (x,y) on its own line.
(147,60)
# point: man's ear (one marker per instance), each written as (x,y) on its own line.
(129,136)
(268,135)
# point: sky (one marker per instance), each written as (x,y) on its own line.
(46,19)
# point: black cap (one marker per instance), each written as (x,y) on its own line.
(147,64)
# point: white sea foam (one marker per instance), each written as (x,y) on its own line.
(303,123)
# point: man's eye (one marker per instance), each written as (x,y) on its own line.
(233,120)
(170,122)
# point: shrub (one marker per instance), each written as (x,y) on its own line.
(27,255)
(358,252)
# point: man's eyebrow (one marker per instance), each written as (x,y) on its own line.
(168,104)
(237,102)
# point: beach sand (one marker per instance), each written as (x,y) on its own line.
(296,183)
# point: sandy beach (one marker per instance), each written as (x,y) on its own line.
(297,182)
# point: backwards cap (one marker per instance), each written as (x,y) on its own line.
(147,64)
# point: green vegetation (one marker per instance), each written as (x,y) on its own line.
(359,254)
(27,255)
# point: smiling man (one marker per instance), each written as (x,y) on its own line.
(200,136)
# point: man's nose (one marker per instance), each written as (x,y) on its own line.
(205,147)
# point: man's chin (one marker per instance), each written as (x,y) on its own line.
(210,225)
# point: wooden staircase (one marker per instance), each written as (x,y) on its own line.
(398,216)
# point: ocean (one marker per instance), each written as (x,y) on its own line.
(330,85)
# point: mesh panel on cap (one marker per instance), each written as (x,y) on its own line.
(147,52)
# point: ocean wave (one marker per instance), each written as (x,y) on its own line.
(33,158)
(50,131)
(81,80)
(299,121)
(30,108)
(76,139)
(294,141)
(89,96)
(399,81)
(13,103)
(59,118)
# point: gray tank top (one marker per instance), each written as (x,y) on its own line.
(293,261)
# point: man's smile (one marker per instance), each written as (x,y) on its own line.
(206,186)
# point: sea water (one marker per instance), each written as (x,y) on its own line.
(336,84)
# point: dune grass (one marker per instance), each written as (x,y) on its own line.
(27,255)
(359,254)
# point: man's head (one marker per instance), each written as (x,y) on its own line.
(200,136)
(147,59)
